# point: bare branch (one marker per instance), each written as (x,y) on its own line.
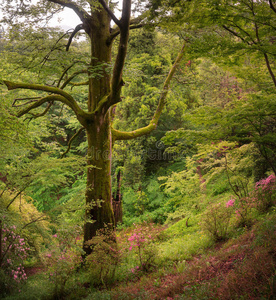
(133,24)
(76,30)
(31,100)
(66,70)
(235,34)
(44,112)
(117,31)
(17,194)
(71,141)
(122,135)
(72,77)
(269,69)
(272,6)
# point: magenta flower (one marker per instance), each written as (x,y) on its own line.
(231,202)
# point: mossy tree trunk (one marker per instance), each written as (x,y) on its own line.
(104,90)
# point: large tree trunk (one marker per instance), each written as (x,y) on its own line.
(99,211)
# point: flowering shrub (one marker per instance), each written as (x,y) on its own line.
(102,262)
(216,220)
(14,252)
(63,258)
(264,194)
(141,242)
(243,208)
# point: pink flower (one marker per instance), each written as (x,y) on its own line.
(231,202)
(55,235)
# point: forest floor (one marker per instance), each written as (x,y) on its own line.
(241,268)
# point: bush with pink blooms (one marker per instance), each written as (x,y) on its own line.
(261,198)
(264,194)
(62,258)
(142,243)
(14,251)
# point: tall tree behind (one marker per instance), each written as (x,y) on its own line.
(104,92)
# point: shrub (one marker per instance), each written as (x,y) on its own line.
(101,264)
(62,259)
(14,252)
(141,242)
(264,194)
(216,220)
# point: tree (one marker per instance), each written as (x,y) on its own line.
(104,92)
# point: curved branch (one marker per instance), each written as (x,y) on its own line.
(235,34)
(82,14)
(76,30)
(71,141)
(67,69)
(116,32)
(64,73)
(60,95)
(269,69)
(133,24)
(109,11)
(44,112)
(123,135)
(43,100)
(31,100)
(72,77)
(272,6)
(73,84)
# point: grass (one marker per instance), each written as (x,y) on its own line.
(188,265)
(241,268)
(184,261)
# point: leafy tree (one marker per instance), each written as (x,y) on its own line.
(104,79)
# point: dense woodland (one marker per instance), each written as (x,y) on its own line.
(138,150)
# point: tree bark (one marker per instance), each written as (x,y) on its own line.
(99,213)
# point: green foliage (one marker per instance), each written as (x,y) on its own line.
(101,264)
(216,221)
(62,258)
(146,204)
